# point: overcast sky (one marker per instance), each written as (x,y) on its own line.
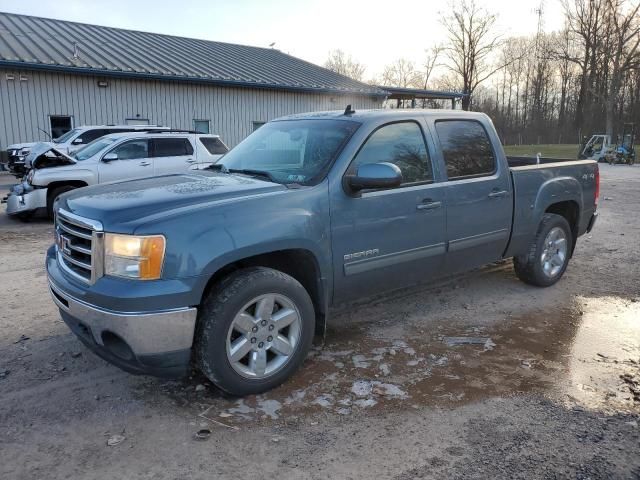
(374,33)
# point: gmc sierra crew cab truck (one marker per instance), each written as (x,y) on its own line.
(233,270)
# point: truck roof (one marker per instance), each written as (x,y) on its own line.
(159,133)
(376,114)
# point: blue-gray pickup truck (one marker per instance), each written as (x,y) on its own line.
(235,270)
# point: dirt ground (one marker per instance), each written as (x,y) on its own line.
(480,376)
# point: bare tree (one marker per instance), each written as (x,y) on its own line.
(401,73)
(471,41)
(344,64)
(430,63)
(625,55)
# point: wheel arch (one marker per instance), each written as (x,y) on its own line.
(570,211)
(300,263)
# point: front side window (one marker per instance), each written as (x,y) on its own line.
(132,150)
(466,148)
(90,150)
(401,144)
(90,135)
(292,151)
(171,147)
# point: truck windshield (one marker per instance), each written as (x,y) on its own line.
(66,136)
(92,148)
(291,151)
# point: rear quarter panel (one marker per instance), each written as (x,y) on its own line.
(537,187)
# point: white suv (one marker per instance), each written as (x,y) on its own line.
(69,142)
(114,157)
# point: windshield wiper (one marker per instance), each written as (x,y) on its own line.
(254,173)
(244,171)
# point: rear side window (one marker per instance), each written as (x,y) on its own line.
(171,147)
(214,145)
(401,144)
(466,148)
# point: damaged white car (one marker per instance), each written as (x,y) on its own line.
(114,157)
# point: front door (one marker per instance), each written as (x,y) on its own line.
(133,162)
(479,195)
(386,239)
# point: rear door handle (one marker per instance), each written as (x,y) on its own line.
(498,194)
(145,164)
(428,204)
(190,160)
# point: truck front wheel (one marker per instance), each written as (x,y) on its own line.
(548,254)
(255,329)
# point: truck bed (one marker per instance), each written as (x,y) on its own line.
(527,161)
(550,181)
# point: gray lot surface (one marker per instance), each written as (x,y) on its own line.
(547,388)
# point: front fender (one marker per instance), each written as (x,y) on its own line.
(45,177)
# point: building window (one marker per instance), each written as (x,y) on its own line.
(59,125)
(136,121)
(257,125)
(201,126)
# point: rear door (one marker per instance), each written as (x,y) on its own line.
(479,194)
(133,162)
(172,155)
(385,239)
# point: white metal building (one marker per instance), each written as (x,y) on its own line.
(55,75)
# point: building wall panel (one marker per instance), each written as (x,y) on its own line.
(26,105)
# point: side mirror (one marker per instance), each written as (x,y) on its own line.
(110,157)
(77,141)
(374,176)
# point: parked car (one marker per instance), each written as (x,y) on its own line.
(233,271)
(70,142)
(113,157)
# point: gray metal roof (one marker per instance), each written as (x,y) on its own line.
(43,43)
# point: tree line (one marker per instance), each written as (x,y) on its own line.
(545,88)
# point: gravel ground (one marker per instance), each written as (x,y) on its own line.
(480,377)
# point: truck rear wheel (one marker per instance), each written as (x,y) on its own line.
(549,253)
(254,330)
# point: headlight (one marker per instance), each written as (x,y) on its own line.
(132,256)
(24,152)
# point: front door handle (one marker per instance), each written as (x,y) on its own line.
(190,160)
(145,164)
(498,194)
(428,204)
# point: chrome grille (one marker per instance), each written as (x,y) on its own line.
(79,246)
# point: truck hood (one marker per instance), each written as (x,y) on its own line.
(45,155)
(122,206)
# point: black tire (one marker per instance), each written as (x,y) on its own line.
(52,195)
(528,267)
(216,316)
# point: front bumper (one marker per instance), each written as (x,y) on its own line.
(151,342)
(21,200)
